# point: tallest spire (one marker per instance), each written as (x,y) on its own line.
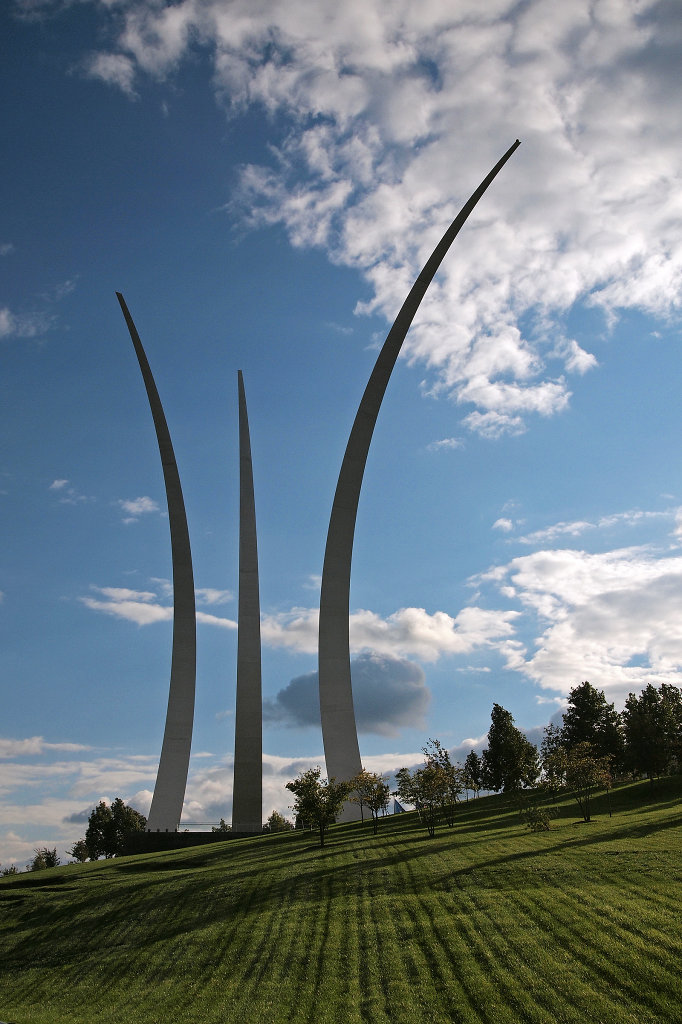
(339,732)
(171,780)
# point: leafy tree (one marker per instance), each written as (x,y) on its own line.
(222,827)
(107,827)
(588,718)
(277,823)
(452,783)
(79,851)
(372,791)
(44,858)
(318,801)
(471,776)
(585,772)
(553,766)
(426,789)
(652,728)
(511,760)
(11,870)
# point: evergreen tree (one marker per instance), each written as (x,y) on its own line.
(652,729)
(510,761)
(588,718)
(472,772)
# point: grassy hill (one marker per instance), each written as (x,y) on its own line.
(486,922)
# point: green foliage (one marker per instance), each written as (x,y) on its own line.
(652,728)
(588,718)
(277,823)
(586,772)
(79,851)
(44,858)
(511,761)
(488,924)
(318,801)
(11,870)
(222,827)
(372,791)
(472,775)
(107,826)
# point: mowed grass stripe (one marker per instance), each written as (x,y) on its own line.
(604,970)
(485,924)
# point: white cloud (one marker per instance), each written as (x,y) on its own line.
(136,507)
(35,745)
(209,595)
(577,528)
(68,495)
(143,607)
(505,525)
(6,248)
(409,632)
(447,443)
(24,325)
(614,618)
(396,111)
(115,69)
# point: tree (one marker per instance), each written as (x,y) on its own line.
(586,771)
(107,828)
(222,827)
(11,870)
(588,718)
(318,801)
(79,851)
(552,763)
(44,858)
(372,791)
(652,730)
(277,823)
(426,789)
(510,761)
(471,776)
(451,777)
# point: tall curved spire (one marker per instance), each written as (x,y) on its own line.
(339,732)
(247,797)
(171,780)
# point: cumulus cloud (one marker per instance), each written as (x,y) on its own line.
(390,115)
(136,507)
(409,632)
(613,617)
(388,693)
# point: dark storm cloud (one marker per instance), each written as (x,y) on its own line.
(388,693)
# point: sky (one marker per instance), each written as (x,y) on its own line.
(263,181)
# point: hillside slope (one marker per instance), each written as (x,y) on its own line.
(484,923)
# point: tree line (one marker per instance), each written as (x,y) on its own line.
(593,745)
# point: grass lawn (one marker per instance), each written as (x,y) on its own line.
(486,922)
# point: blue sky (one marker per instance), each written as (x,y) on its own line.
(262,182)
